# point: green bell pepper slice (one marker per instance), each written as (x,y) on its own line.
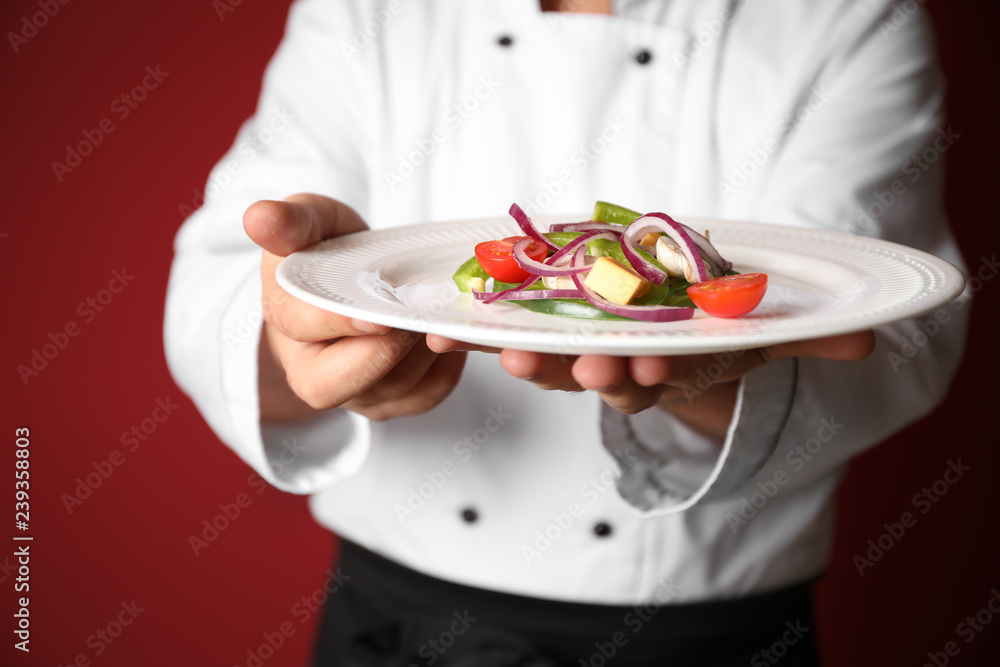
(618,215)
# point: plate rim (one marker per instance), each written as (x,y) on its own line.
(953,282)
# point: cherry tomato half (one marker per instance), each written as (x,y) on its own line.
(497,258)
(729,296)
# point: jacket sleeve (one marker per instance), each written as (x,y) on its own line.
(308,134)
(861,154)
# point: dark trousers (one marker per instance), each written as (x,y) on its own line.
(387,615)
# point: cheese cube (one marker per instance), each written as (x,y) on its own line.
(648,242)
(615,282)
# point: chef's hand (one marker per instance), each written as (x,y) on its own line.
(633,384)
(313,360)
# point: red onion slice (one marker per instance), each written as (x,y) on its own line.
(528,295)
(697,251)
(557,257)
(587,226)
(528,227)
(586,237)
(664,223)
(537,268)
(644,268)
(644,313)
(716,263)
(495,296)
(708,252)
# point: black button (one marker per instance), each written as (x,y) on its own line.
(643,57)
(602,529)
(505,41)
(470,515)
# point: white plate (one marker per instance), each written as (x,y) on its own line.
(820,283)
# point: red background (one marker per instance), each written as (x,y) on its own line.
(120,209)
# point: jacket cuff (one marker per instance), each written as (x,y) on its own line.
(668,468)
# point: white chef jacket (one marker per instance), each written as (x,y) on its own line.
(795,113)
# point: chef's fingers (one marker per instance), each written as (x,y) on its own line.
(609,377)
(440,344)
(704,369)
(547,371)
(845,347)
(300,321)
(302,220)
(433,387)
(326,375)
(402,377)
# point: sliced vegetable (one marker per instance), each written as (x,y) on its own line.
(729,296)
(635,312)
(504,292)
(528,294)
(469,274)
(575,308)
(604,269)
(718,265)
(594,240)
(614,281)
(664,223)
(527,226)
(532,266)
(619,215)
(586,227)
(497,257)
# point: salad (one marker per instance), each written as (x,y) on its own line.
(620,264)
